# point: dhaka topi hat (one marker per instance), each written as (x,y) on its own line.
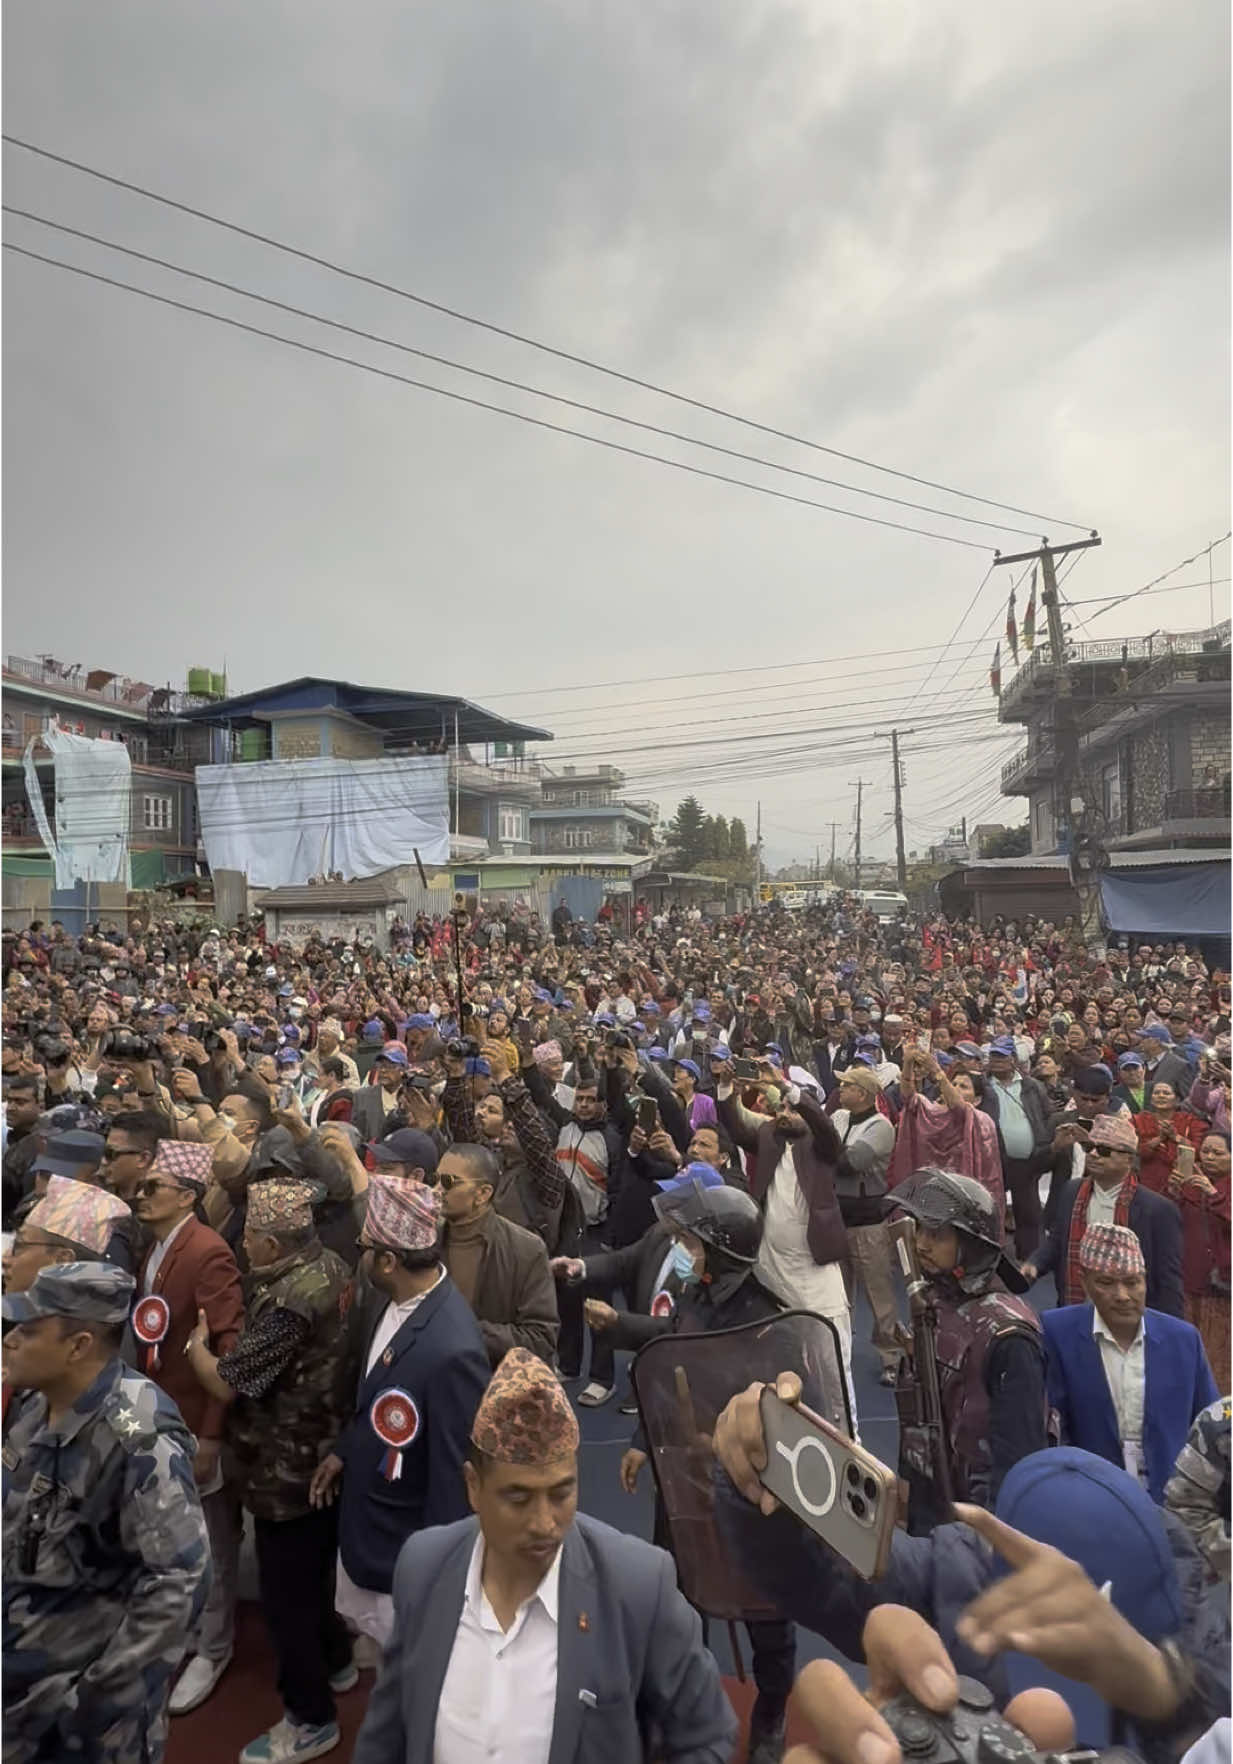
(1111,1249)
(185,1162)
(79,1212)
(402,1214)
(524,1416)
(547,1053)
(89,1292)
(1117,1131)
(281,1204)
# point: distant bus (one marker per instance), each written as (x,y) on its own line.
(884,903)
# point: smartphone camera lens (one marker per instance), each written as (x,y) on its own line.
(853,1475)
(871,1489)
(857,1505)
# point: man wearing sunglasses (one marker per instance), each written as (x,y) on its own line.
(1110,1193)
(190,1269)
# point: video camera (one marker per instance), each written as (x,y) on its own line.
(126,1045)
(974,1733)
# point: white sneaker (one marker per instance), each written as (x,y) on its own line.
(345,1679)
(196,1682)
(287,1743)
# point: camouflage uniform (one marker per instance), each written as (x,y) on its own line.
(106,1568)
(1198,1490)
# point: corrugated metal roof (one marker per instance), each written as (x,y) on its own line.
(1118,860)
(335,896)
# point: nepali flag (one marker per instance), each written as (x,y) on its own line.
(995,671)
(1029,619)
(1012,628)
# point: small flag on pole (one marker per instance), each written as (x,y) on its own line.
(1012,628)
(995,672)
(1029,619)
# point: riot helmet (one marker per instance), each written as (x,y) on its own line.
(937,1198)
(725,1219)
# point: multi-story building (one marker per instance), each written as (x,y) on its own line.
(583,812)
(40,693)
(492,784)
(1153,726)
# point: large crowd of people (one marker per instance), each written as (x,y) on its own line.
(336,1241)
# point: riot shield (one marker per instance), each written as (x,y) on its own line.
(682,1384)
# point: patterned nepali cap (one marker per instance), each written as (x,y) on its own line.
(402,1214)
(281,1204)
(1111,1249)
(547,1052)
(525,1417)
(185,1161)
(79,1212)
(1115,1130)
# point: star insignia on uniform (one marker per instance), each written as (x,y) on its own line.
(127,1422)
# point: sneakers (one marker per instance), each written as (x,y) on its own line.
(196,1682)
(595,1395)
(345,1679)
(766,1744)
(288,1743)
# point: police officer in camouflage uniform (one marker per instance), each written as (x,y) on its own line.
(282,1379)
(989,1348)
(1198,1490)
(106,1561)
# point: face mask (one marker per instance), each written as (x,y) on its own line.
(683,1265)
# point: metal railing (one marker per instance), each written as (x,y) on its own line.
(1021,765)
(1159,645)
(1207,803)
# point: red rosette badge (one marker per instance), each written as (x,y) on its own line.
(151,1321)
(662,1305)
(395,1421)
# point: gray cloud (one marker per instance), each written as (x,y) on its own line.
(989,248)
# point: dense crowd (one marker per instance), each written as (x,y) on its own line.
(334,1241)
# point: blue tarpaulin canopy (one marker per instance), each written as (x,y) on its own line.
(1173,901)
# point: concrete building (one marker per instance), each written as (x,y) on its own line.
(1153,716)
(583,812)
(41,693)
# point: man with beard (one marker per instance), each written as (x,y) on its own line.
(531,1188)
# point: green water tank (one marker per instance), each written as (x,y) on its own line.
(199,682)
(218,685)
(254,744)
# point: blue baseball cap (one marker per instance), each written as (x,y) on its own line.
(702,1013)
(649,1008)
(542,997)
(394,1053)
(1004,1045)
(968,1050)
(1096,1514)
(373,1030)
(722,1052)
(478,1068)
(291,1032)
(684,1179)
(944,1059)
(1127,1060)
(286,989)
(287,1056)
(1156,1032)
(694,1071)
(421,1020)
(605,1020)
(659,1055)
(774,1047)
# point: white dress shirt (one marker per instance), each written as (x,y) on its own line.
(158,1254)
(392,1319)
(1102,1204)
(498,1698)
(1126,1373)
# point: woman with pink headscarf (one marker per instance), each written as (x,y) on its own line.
(951,1134)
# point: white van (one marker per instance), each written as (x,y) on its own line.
(884,903)
(796,900)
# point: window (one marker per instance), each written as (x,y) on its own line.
(1111,791)
(512,824)
(569,838)
(156,814)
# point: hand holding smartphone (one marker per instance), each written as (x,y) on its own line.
(840,1491)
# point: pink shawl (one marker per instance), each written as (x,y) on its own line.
(959,1139)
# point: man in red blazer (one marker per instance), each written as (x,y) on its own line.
(189,1268)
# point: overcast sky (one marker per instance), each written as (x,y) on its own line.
(984,245)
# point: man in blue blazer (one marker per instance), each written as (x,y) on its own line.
(1126,1381)
(414,1372)
(531,1633)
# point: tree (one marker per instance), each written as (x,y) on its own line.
(1007,842)
(722,839)
(738,839)
(687,833)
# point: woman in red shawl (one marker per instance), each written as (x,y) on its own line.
(1203,1198)
(1162,1127)
(951,1134)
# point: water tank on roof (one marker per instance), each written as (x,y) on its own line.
(254,744)
(199,682)
(218,685)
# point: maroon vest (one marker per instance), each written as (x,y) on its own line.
(966,1334)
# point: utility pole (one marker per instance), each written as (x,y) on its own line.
(758,851)
(901,862)
(1069,802)
(834,824)
(856,864)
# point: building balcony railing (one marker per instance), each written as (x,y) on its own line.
(1037,670)
(518,780)
(1034,762)
(1207,803)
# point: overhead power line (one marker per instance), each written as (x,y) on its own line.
(1148,586)
(463,367)
(559,354)
(519,416)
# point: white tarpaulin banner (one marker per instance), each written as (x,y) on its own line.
(285,821)
(93,807)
